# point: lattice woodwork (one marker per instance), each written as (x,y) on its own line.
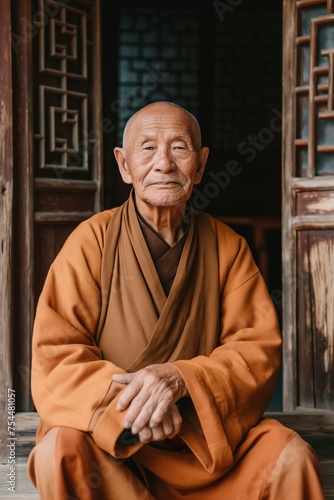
(308,208)
(64,50)
(315,89)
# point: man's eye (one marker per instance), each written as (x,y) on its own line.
(148,148)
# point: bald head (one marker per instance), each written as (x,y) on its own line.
(163,159)
(163,109)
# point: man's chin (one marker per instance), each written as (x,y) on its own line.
(165,201)
(162,199)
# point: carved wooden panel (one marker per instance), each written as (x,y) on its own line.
(315,203)
(68,125)
(315,88)
(65,124)
(60,145)
(308,204)
(315,314)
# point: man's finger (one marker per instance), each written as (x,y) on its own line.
(176,419)
(161,409)
(128,394)
(167,426)
(139,413)
(145,436)
(123,378)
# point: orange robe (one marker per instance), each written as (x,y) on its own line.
(103,310)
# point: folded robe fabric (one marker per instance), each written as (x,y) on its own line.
(103,310)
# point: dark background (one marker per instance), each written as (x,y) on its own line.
(223,62)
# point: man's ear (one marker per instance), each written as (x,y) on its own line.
(203,157)
(122,165)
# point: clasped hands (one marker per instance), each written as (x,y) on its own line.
(150,398)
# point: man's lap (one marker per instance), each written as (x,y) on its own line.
(261,460)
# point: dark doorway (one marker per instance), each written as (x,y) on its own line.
(222,60)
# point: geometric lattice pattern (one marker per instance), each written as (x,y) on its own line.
(315,89)
(62,48)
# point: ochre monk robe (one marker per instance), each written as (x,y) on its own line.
(230,372)
(156,346)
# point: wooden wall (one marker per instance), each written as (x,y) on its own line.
(6,214)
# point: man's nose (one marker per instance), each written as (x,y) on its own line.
(164,160)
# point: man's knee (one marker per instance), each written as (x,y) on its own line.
(41,463)
(297,473)
(67,456)
(297,455)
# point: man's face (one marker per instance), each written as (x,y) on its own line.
(162,157)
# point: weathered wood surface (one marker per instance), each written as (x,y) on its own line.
(307,224)
(6,213)
(288,244)
(316,429)
(315,318)
(23,202)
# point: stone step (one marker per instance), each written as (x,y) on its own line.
(23,488)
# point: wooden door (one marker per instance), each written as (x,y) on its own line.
(58,131)
(308,204)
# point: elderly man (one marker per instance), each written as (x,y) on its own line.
(156,346)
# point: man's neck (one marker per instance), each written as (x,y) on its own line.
(167,221)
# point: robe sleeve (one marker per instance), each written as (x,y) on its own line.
(71,382)
(231,388)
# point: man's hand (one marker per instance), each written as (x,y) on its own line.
(150,398)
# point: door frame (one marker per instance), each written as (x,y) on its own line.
(6,210)
(289,281)
(297,218)
(18,188)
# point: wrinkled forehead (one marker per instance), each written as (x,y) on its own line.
(162,117)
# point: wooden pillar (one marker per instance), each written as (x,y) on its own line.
(6,214)
(288,244)
(23,223)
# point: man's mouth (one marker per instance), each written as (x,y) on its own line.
(165,183)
